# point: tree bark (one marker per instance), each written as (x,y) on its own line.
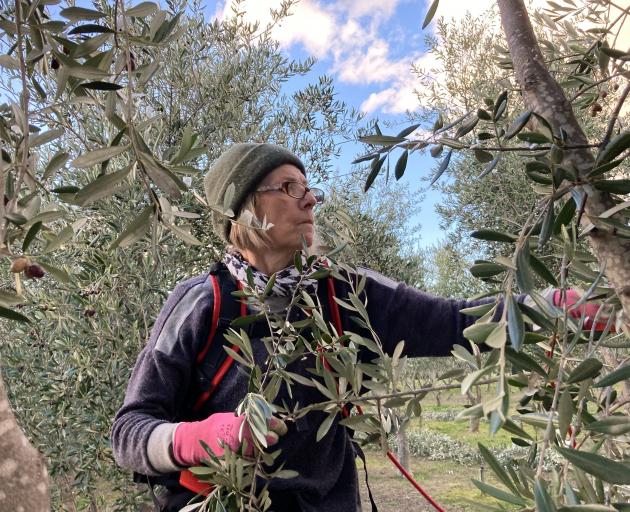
(543,95)
(402,446)
(23,475)
(473,425)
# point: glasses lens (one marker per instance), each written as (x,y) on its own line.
(298,190)
(318,193)
(295,189)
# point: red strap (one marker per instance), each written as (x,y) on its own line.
(334,307)
(188,480)
(413,482)
(225,366)
(336,318)
(216,310)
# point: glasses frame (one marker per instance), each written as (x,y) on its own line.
(284,187)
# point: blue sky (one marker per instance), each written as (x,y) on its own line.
(368,47)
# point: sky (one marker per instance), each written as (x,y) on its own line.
(368,47)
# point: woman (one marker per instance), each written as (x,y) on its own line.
(156,432)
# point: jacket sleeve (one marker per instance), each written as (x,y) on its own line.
(429,325)
(159,385)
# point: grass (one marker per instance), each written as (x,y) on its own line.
(447,482)
(460,431)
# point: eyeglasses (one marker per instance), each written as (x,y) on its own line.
(295,189)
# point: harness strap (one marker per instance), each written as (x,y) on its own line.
(214,358)
(334,307)
(359,451)
(213,362)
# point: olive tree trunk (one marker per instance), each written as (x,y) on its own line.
(474,422)
(543,95)
(402,445)
(23,475)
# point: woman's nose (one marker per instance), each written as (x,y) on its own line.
(309,201)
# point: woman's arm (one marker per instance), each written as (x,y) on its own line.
(159,387)
(430,325)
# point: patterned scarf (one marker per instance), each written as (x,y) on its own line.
(286,282)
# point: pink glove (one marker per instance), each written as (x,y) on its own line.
(218,430)
(588,309)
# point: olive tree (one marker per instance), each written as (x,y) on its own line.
(567,382)
(112,115)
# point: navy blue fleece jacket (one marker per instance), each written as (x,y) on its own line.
(160,386)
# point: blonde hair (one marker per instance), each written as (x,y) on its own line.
(246,232)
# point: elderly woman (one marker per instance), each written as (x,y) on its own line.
(158,430)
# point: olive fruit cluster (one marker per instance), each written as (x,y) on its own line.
(31,270)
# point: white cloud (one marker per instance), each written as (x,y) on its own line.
(400,96)
(345,31)
(370,65)
(371,8)
(457,9)
(393,100)
(348,33)
(371,61)
(309,24)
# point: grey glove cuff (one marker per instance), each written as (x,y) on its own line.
(160,448)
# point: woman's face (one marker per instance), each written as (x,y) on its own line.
(291,218)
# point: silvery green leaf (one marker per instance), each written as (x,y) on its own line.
(97,156)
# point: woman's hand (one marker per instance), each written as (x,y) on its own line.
(218,430)
(590,310)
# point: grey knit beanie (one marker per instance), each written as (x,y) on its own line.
(245,165)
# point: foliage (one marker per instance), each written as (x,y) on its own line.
(434,445)
(446,272)
(575,172)
(123,118)
(102,149)
(374,229)
(340,372)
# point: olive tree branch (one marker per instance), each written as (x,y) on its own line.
(375,398)
(614,116)
(22,168)
(595,84)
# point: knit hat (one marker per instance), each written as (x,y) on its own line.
(245,165)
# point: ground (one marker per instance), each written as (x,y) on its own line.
(447,482)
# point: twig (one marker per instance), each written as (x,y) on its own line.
(24,103)
(128,63)
(563,359)
(367,399)
(614,117)
(594,84)
(582,208)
